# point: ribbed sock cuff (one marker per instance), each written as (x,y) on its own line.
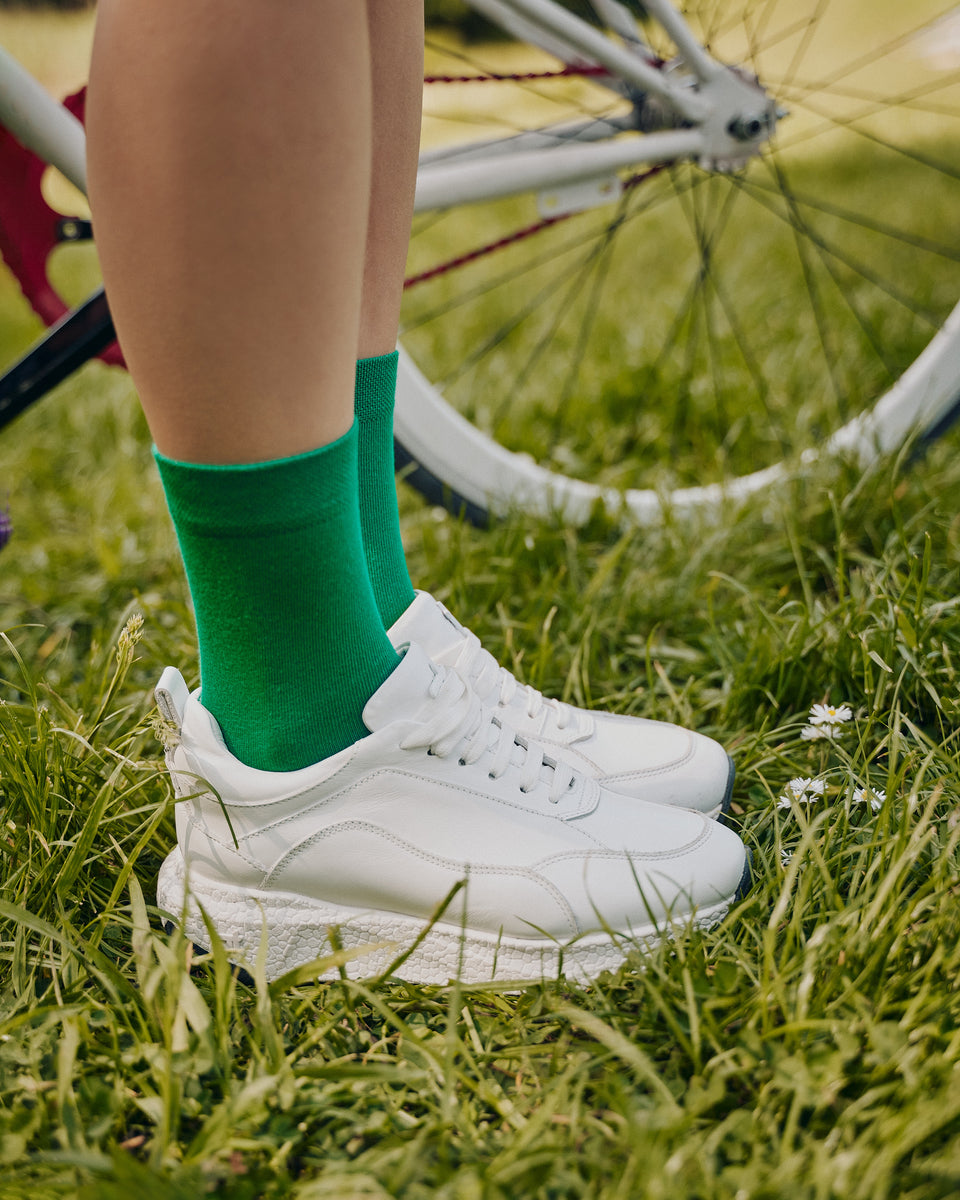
(259,497)
(376,385)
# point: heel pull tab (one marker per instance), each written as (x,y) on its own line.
(172,695)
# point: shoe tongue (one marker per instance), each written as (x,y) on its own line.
(428,623)
(404,692)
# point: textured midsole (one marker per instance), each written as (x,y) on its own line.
(291,931)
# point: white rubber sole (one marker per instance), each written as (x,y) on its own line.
(298,931)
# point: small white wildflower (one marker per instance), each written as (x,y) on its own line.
(872,796)
(785,856)
(802,791)
(816,733)
(830,714)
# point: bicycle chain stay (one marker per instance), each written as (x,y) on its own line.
(30,230)
(518,235)
(569,72)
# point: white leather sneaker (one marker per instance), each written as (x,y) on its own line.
(650,760)
(560,872)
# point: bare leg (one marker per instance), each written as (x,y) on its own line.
(396,53)
(230,147)
(230,172)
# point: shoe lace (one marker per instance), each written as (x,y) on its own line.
(497,686)
(462,724)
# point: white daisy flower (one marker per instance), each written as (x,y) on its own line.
(785,856)
(830,714)
(801,791)
(816,733)
(872,796)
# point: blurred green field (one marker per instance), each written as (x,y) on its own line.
(806,1048)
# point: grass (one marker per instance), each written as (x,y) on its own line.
(807,1047)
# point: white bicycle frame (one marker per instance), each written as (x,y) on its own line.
(726,116)
(720,97)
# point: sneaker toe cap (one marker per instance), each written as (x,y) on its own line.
(632,891)
(662,763)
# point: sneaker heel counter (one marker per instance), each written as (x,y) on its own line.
(213,845)
(181,777)
(212,856)
(207,837)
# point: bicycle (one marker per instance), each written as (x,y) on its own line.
(774,142)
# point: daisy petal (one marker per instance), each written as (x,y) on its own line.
(830,714)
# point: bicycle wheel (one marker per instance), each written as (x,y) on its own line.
(700,335)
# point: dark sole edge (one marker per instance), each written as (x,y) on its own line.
(731,779)
(746,879)
(241,975)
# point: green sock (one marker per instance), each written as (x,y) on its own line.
(379,519)
(291,643)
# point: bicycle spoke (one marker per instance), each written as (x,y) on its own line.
(730,319)
(805,39)
(869,59)
(834,249)
(813,290)
(591,264)
(761,387)
(500,335)
(781,35)
(706,240)
(879,103)
(755,34)
(865,324)
(683,309)
(601,271)
(485,288)
(861,220)
(550,330)
(915,155)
